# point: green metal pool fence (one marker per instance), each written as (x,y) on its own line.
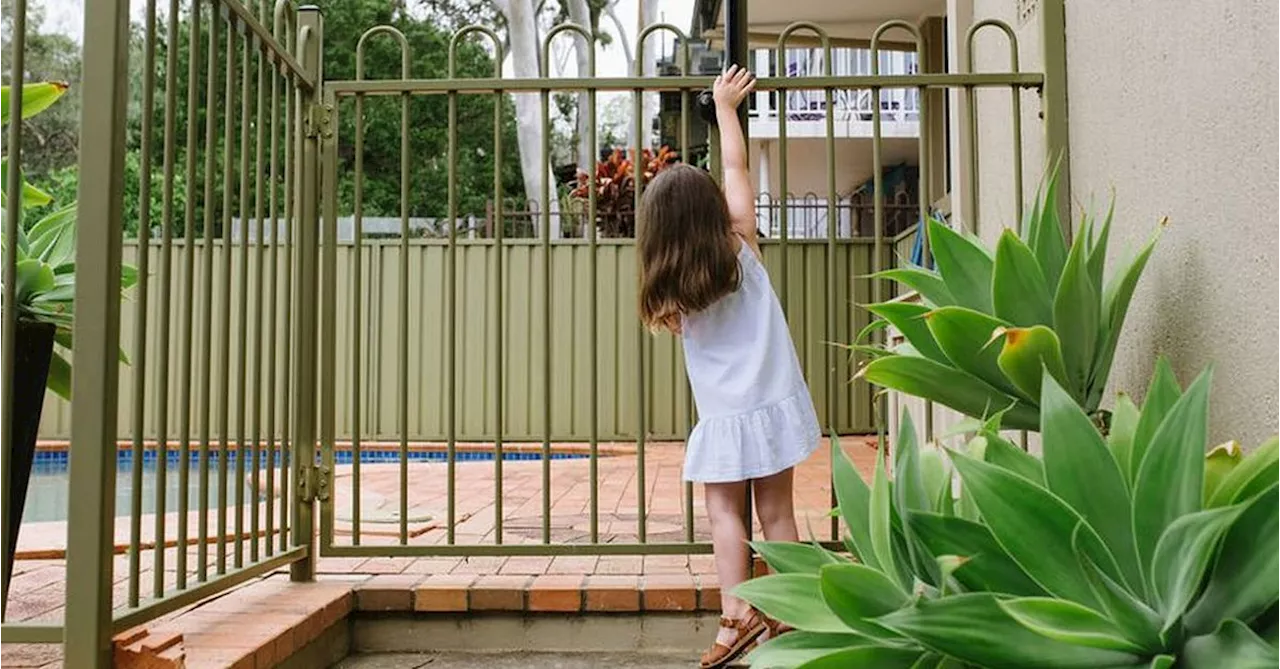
(290,341)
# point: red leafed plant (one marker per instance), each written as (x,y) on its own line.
(615,187)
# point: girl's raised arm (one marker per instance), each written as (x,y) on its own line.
(731,88)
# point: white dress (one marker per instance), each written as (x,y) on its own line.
(756,418)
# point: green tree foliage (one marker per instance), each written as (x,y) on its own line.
(345,22)
(428,31)
(49,140)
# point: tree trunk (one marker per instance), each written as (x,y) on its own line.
(522,33)
(581,15)
(648,15)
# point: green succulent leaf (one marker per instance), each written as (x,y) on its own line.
(1183,555)
(965,338)
(796,648)
(854,499)
(1170,480)
(1139,622)
(975,629)
(949,387)
(1026,354)
(1076,307)
(1034,527)
(928,284)
(32,278)
(857,593)
(785,557)
(1078,467)
(36,97)
(59,380)
(1218,464)
(1242,584)
(1019,292)
(31,196)
(964,265)
(1046,236)
(909,319)
(1098,247)
(1255,473)
(1232,645)
(1001,453)
(1068,622)
(880,519)
(912,494)
(987,567)
(792,599)
(1124,425)
(52,238)
(1162,393)
(1115,306)
(867,655)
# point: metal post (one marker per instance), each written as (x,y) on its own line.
(1053,41)
(311,34)
(97,335)
(735,40)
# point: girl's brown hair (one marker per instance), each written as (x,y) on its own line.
(687,248)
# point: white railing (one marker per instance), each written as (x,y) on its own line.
(852,109)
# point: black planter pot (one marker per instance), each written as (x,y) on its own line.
(34,348)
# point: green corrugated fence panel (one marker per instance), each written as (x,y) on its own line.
(616,334)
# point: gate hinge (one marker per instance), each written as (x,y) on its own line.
(314,484)
(320,121)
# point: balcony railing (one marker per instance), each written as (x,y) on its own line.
(806,110)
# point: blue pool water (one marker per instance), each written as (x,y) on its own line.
(49,496)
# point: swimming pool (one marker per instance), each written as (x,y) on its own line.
(49,495)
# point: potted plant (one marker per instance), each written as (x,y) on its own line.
(44,292)
(987,321)
(1130,550)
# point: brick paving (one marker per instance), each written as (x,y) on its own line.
(455,584)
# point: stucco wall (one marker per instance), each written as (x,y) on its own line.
(1175,107)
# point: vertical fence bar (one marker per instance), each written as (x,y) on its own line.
(242,356)
(140,315)
(689,410)
(311,36)
(87,637)
(8,346)
(593,294)
(880,403)
(224,350)
(499,332)
(188,291)
(357,300)
(273,304)
(451,287)
(259,211)
(544,237)
(285,251)
(206,378)
(637,170)
(402,377)
(166,295)
(328,292)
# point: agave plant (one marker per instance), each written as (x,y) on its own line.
(45,276)
(988,322)
(1133,550)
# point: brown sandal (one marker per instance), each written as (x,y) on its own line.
(774,629)
(749,629)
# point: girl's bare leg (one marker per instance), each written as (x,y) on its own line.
(727,509)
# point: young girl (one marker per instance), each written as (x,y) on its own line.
(702,278)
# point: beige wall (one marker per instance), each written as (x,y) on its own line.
(1177,111)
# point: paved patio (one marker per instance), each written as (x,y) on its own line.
(38,587)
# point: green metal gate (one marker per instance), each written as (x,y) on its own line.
(819,282)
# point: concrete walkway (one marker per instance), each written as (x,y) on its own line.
(518,661)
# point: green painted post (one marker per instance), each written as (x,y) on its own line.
(310,38)
(91,523)
(1053,42)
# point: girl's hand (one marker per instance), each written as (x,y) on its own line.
(732,87)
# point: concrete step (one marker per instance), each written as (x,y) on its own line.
(463,660)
